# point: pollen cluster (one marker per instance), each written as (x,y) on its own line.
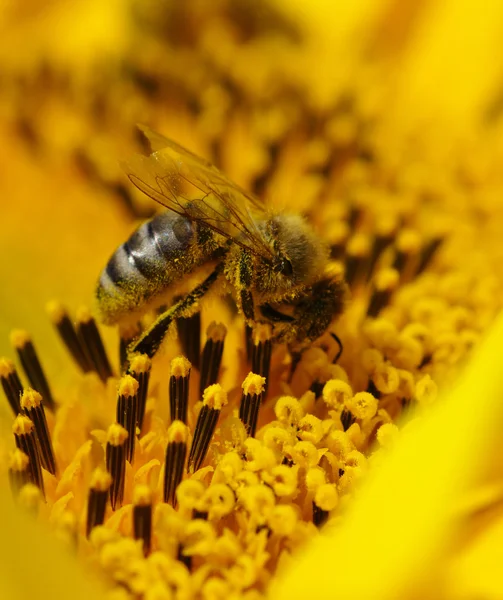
(202,472)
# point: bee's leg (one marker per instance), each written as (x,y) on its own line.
(341,348)
(149,341)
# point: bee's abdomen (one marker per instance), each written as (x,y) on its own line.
(156,254)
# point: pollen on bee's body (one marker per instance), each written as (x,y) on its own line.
(90,339)
(127,411)
(26,441)
(142,516)
(176,452)
(99,488)
(212,355)
(140,368)
(23,344)
(33,407)
(68,334)
(214,398)
(179,388)
(251,398)
(116,462)
(385,283)
(11,384)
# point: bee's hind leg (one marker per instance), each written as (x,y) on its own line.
(149,341)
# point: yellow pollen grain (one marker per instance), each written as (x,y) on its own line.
(336,393)
(6,367)
(283,519)
(142,495)
(128,386)
(177,432)
(56,311)
(253,385)
(30,399)
(189,493)
(180,367)
(387,435)
(386,379)
(362,405)
(310,429)
(315,477)
(215,396)
(84,314)
(386,279)
(282,479)
(371,360)
(288,410)
(22,425)
(426,391)
(101,480)
(19,338)
(326,497)
(140,363)
(358,245)
(216,332)
(18,460)
(116,435)
(262,333)
(409,241)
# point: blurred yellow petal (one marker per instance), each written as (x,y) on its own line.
(401,522)
(34,564)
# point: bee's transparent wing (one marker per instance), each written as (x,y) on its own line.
(191,186)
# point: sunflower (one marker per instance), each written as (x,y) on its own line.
(362,465)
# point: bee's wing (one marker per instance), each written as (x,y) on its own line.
(172,172)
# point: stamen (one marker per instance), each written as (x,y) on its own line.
(385,230)
(142,516)
(140,369)
(19,471)
(261,352)
(127,333)
(179,389)
(68,334)
(214,398)
(176,452)
(127,411)
(319,515)
(189,334)
(33,407)
(31,365)
(251,399)
(92,343)
(428,253)
(385,283)
(116,462)
(26,441)
(212,355)
(11,384)
(357,259)
(407,249)
(97,499)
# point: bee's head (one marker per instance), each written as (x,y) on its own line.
(300,255)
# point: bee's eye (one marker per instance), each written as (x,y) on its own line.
(286,267)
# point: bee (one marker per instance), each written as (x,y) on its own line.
(272,264)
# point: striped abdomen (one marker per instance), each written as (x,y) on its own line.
(158,253)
